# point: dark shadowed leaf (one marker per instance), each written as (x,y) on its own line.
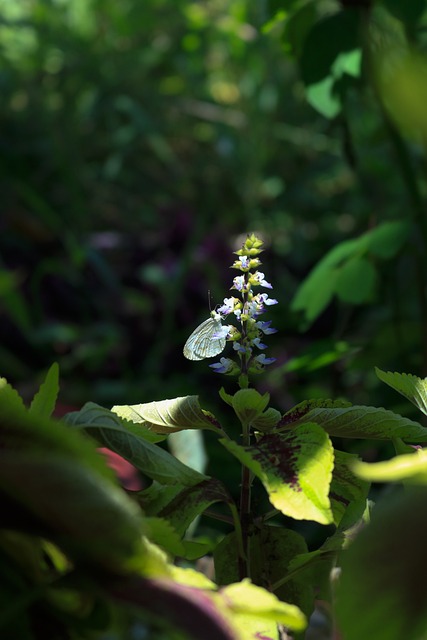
(381,592)
(180,505)
(348,492)
(356,422)
(126,440)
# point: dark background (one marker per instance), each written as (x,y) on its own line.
(140,142)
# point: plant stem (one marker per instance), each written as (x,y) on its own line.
(245,509)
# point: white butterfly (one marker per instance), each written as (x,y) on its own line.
(207,340)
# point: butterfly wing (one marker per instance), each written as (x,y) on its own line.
(203,343)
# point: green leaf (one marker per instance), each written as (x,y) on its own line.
(410,467)
(248,404)
(410,386)
(248,599)
(162,533)
(348,493)
(167,416)
(10,398)
(357,281)
(92,417)
(348,62)
(44,401)
(319,287)
(331,49)
(226,397)
(295,469)
(386,240)
(181,505)
(271,551)
(381,592)
(316,292)
(267,420)
(324,97)
(22,431)
(356,422)
(303,409)
(126,440)
(195,549)
(89,516)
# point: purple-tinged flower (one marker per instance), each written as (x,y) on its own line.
(227,307)
(264,299)
(263,360)
(239,283)
(241,349)
(257,343)
(222,331)
(258,278)
(244,262)
(223,366)
(265,327)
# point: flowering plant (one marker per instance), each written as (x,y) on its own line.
(67,515)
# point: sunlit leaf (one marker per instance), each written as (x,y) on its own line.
(295,468)
(410,467)
(410,386)
(167,416)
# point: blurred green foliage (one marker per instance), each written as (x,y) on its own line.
(140,140)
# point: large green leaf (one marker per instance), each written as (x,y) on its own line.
(167,416)
(381,592)
(56,476)
(355,422)
(129,441)
(410,386)
(295,468)
(91,517)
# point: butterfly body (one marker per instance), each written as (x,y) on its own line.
(207,340)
